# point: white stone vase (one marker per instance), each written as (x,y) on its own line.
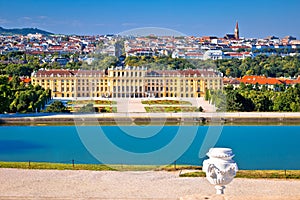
(220,169)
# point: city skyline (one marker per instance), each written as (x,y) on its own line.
(198,18)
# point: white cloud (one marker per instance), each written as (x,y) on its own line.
(26,18)
(129,24)
(3,21)
(99,24)
(42,17)
(76,23)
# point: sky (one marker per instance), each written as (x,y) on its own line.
(256,18)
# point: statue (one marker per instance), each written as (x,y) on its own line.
(220,169)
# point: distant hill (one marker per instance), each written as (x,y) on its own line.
(23,31)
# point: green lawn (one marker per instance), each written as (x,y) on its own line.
(56,166)
(256,174)
(95,167)
(277,174)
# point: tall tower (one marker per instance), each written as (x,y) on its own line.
(236,31)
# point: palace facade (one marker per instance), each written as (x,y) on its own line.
(125,82)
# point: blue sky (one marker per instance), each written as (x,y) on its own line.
(257,18)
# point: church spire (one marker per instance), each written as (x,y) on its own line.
(236,31)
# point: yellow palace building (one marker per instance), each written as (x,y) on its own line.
(125,82)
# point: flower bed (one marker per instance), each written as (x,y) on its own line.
(162,109)
(100,109)
(99,102)
(166,102)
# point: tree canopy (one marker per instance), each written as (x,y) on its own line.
(269,66)
(16,97)
(261,99)
(57,107)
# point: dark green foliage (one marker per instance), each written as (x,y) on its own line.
(22,64)
(201,109)
(159,62)
(16,97)
(22,31)
(288,100)
(57,107)
(207,95)
(272,66)
(4,94)
(105,109)
(88,108)
(261,99)
(18,70)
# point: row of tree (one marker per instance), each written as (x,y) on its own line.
(15,96)
(159,62)
(270,66)
(249,98)
(22,64)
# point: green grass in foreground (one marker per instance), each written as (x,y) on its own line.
(56,166)
(277,174)
(95,167)
(266,174)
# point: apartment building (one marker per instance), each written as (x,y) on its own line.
(125,82)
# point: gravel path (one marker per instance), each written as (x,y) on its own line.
(55,184)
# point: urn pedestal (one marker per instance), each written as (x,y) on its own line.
(220,169)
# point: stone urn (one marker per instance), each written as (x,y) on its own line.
(220,169)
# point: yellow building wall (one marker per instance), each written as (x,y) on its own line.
(128,83)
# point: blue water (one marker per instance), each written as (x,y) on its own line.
(255,147)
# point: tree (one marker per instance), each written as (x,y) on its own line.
(105,109)
(263,104)
(207,96)
(57,107)
(201,109)
(271,66)
(218,98)
(87,108)
(233,101)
